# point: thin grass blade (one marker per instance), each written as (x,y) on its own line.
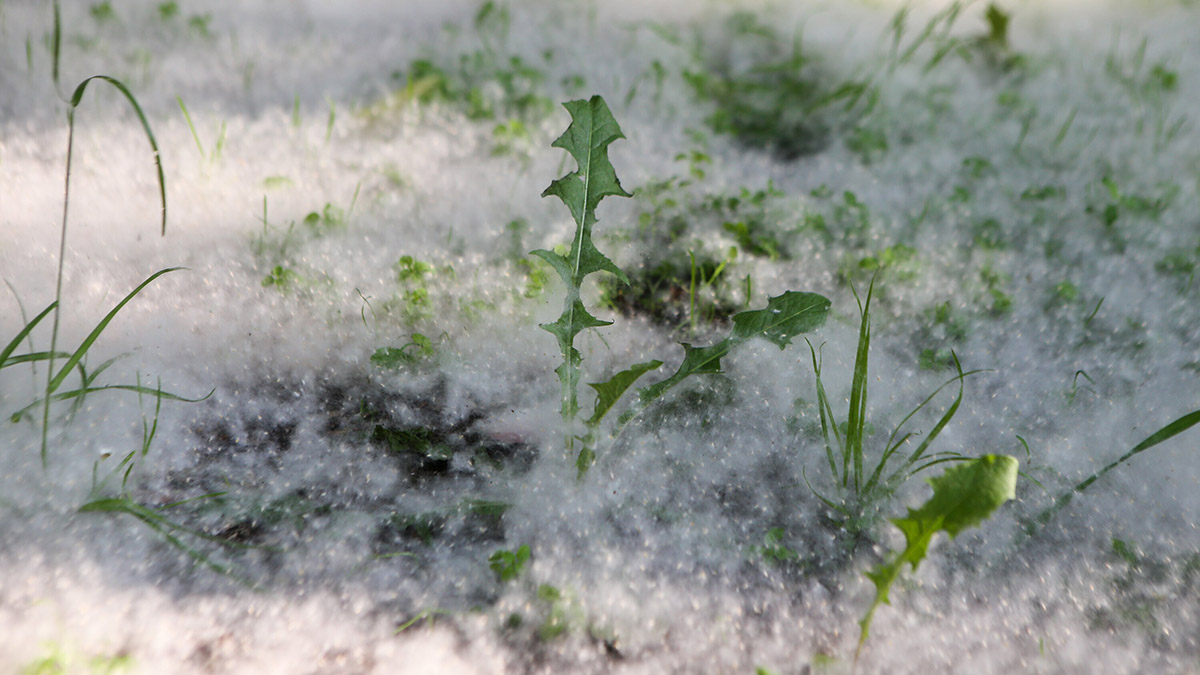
(12,345)
(1169,431)
(84,391)
(92,337)
(77,97)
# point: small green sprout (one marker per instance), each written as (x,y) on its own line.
(201,24)
(282,278)
(167,10)
(218,147)
(509,565)
(773,549)
(419,347)
(103,12)
(410,269)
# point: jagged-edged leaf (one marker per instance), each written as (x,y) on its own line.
(587,138)
(571,323)
(592,129)
(607,393)
(559,263)
(963,496)
(784,317)
(696,361)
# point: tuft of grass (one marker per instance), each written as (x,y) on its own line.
(863,487)
(782,102)
(55,379)
(74,361)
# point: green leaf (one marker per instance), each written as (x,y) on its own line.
(784,317)
(696,361)
(587,138)
(509,564)
(607,393)
(12,345)
(592,129)
(963,497)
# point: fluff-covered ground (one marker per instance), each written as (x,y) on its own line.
(362,173)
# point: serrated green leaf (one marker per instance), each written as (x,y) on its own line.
(592,129)
(963,496)
(607,393)
(696,361)
(559,263)
(784,317)
(567,326)
(587,138)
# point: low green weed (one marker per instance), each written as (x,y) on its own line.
(587,139)
(418,347)
(509,565)
(413,301)
(1181,264)
(58,658)
(167,10)
(773,549)
(484,85)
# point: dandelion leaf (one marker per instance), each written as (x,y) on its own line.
(963,496)
(587,138)
(784,317)
(696,361)
(592,129)
(608,392)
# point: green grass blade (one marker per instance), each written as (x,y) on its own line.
(195,136)
(826,414)
(95,334)
(828,502)
(56,45)
(32,357)
(933,433)
(166,528)
(857,418)
(77,97)
(12,345)
(84,391)
(1169,431)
